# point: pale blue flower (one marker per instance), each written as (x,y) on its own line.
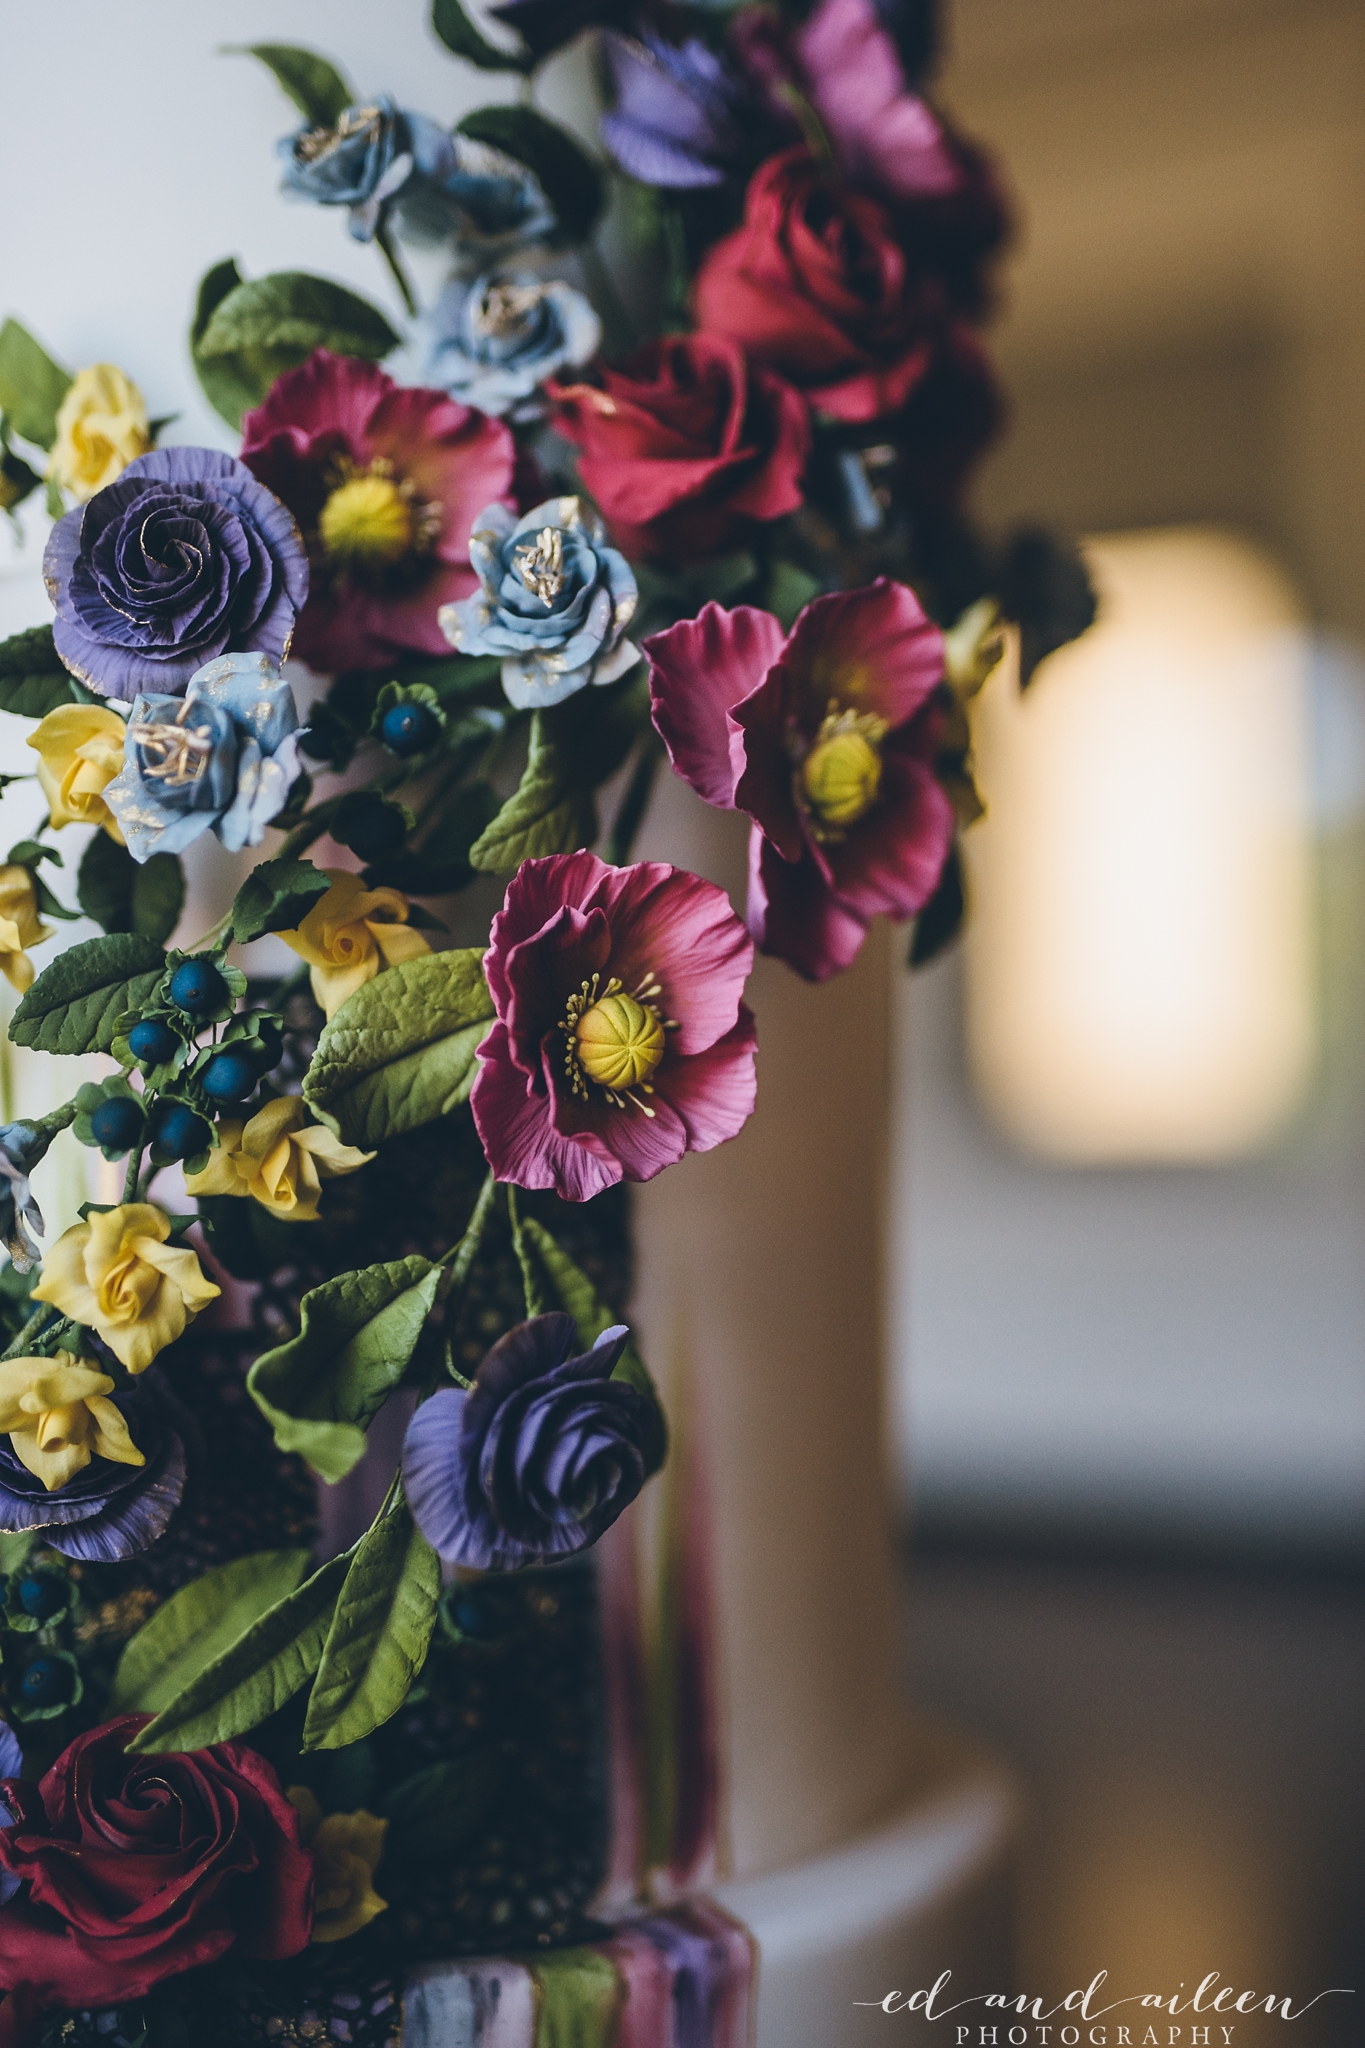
(219,758)
(554,601)
(495,342)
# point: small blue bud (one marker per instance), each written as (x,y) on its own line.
(46,1682)
(472,1617)
(177,1131)
(152,1043)
(229,1076)
(198,988)
(409,728)
(117,1124)
(42,1595)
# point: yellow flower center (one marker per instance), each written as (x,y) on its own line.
(619,1042)
(614,1039)
(367,522)
(841,776)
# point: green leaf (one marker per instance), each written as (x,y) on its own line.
(254,1676)
(32,386)
(789,590)
(122,895)
(549,812)
(276,897)
(379,1635)
(316,87)
(320,1391)
(258,329)
(462,39)
(400,1051)
(32,679)
(75,1003)
(228,389)
(567,174)
(197,1624)
(435,1811)
(552,1280)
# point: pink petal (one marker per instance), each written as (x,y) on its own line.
(683,931)
(870,394)
(893,858)
(537,892)
(544,970)
(643,1145)
(519,1137)
(714,1092)
(879,129)
(700,669)
(794,916)
(764,789)
(870,650)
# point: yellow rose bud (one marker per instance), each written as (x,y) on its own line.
(119,1276)
(58,1416)
(80,750)
(279,1158)
(346,1851)
(20,926)
(101,427)
(350,935)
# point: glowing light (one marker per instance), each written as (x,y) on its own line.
(1139,964)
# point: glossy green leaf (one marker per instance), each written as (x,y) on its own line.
(550,811)
(197,1624)
(276,897)
(124,895)
(379,1634)
(251,1679)
(400,1051)
(32,679)
(75,1003)
(321,1390)
(553,1281)
(567,174)
(32,386)
(316,87)
(462,39)
(432,1813)
(247,333)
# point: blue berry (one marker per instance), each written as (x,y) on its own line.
(198,988)
(409,728)
(46,1682)
(117,1124)
(229,1076)
(41,1595)
(177,1131)
(472,1617)
(152,1043)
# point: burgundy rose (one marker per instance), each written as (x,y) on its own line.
(385,482)
(139,1867)
(684,445)
(816,285)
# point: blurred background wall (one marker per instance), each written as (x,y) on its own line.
(1170,1354)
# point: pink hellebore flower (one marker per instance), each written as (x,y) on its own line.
(826,737)
(621,1040)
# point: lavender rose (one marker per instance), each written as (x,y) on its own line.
(538,1458)
(183,558)
(107,1510)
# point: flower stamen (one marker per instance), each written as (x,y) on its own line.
(540,564)
(838,779)
(613,1040)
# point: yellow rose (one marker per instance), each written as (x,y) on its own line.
(353,932)
(101,426)
(346,1851)
(119,1276)
(58,1416)
(279,1158)
(79,749)
(20,926)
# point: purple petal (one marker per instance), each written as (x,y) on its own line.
(130,1523)
(432,1470)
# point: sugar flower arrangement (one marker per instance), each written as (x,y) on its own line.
(732,539)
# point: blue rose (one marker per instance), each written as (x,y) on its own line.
(221,757)
(380,158)
(496,342)
(554,601)
(21,1147)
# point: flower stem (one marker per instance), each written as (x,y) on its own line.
(32,1329)
(130,1178)
(635,802)
(384,242)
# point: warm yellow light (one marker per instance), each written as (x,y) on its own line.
(1139,962)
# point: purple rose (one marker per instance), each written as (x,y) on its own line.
(183,558)
(538,1458)
(107,1511)
(682,117)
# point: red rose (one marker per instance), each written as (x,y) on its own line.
(815,284)
(140,1867)
(684,444)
